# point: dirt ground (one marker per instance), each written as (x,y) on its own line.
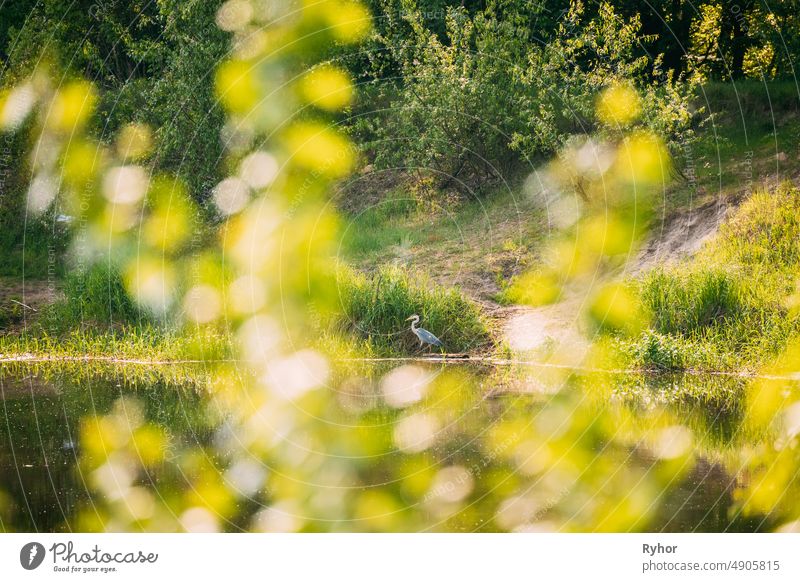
(22,301)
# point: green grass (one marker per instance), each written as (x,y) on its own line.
(726,307)
(31,246)
(473,245)
(375,308)
(34,252)
(180,376)
(750,131)
(11,313)
(401,220)
(97,318)
(751,100)
(155,344)
(374,229)
(93,297)
(686,303)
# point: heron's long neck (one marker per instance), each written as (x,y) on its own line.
(414,323)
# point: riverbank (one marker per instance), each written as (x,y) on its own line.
(712,273)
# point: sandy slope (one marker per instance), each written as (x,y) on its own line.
(558,328)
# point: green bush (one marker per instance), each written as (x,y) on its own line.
(375,307)
(481,97)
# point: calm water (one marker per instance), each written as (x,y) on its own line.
(42,411)
(39,446)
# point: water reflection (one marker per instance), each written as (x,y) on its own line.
(39,450)
(421,464)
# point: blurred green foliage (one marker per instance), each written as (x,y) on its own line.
(152,62)
(93,297)
(306,447)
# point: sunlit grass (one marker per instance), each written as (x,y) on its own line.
(373,230)
(126,342)
(375,308)
(725,307)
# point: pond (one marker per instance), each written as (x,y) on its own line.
(616,458)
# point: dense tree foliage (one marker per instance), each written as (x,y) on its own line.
(467,87)
(725,39)
(494,59)
(153,61)
(474,101)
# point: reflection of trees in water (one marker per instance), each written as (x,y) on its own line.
(40,447)
(703,502)
(488,484)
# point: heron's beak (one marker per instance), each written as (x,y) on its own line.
(409,318)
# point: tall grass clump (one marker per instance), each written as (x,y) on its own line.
(94,297)
(730,299)
(685,303)
(375,308)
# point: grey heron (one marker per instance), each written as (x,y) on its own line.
(423,335)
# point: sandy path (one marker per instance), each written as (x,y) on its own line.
(557,328)
(529,329)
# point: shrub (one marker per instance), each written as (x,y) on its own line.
(476,100)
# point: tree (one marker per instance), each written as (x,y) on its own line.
(153,62)
(472,107)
